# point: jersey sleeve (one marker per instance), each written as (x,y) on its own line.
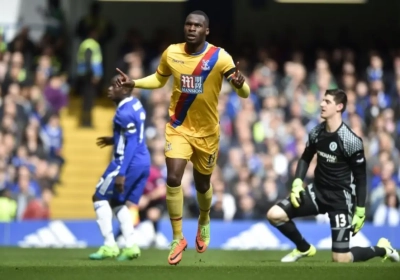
(359,170)
(307,156)
(227,65)
(354,150)
(353,145)
(127,124)
(163,68)
(310,149)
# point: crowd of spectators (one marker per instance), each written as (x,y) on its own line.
(262,137)
(33,90)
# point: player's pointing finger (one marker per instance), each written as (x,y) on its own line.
(120,72)
(237,68)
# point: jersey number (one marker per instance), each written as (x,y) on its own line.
(340,220)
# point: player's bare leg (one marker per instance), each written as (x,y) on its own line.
(278,218)
(104,220)
(124,217)
(204,198)
(174,199)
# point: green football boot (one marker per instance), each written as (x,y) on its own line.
(105,252)
(129,253)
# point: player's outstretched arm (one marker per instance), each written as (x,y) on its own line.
(239,84)
(150,82)
(156,80)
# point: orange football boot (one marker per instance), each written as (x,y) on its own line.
(202,238)
(177,248)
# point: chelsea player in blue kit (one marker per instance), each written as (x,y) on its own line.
(125,178)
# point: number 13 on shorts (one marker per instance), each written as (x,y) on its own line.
(340,220)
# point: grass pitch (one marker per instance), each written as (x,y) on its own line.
(72,264)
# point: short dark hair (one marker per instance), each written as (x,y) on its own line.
(201,13)
(339,96)
(125,90)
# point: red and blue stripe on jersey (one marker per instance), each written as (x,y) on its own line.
(187,99)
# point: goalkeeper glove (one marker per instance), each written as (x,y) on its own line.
(358,220)
(297,193)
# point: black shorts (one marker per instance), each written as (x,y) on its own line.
(340,215)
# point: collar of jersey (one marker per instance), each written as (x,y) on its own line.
(125,100)
(200,52)
(340,126)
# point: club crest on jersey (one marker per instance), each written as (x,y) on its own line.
(204,65)
(333,146)
(191,84)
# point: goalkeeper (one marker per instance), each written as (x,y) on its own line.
(339,189)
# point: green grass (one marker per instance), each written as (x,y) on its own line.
(73,264)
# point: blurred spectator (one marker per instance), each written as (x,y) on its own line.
(388,212)
(24,45)
(56,94)
(38,209)
(223,205)
(52,137)
(90,72)
(152,204)
(54,18)
(8,206)
(94,20)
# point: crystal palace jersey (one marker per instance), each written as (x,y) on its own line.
(197,84)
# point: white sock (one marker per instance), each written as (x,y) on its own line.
(125,219)
(104,220)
